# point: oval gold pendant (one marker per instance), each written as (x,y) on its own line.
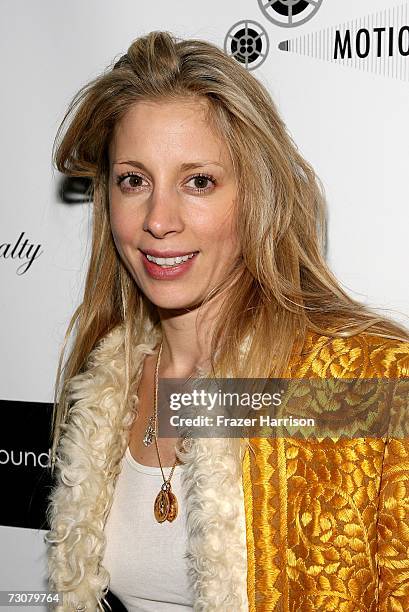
(162,506)
(173,511)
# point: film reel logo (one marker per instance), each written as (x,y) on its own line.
(289,13)
(248,43)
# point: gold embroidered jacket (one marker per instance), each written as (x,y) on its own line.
(277,524)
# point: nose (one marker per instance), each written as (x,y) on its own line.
(163,215)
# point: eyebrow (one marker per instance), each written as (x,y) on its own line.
(183,167)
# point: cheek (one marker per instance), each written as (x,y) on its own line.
(123,224)
(219,239)
(222,230)
(229,238)
(218,222)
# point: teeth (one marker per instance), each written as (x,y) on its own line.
(167,262)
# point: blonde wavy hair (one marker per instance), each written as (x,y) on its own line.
(281,286)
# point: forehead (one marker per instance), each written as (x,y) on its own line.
(163,125)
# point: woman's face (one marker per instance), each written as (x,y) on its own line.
(172,194)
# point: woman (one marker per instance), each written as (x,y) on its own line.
(189,159)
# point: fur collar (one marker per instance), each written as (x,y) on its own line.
(88,462)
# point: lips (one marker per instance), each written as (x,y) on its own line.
(157,272)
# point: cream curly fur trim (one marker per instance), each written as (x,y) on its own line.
(93,443)
(216,548)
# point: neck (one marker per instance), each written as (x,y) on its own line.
(186,337)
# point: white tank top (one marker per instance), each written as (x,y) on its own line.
(144,558)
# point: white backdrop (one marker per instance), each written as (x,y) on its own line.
(348,117)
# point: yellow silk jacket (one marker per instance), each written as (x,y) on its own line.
(278,524)
(328,521)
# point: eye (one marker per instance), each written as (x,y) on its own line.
(132,181)
(129,181)
(200,180)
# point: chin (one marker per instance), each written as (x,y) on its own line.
(175,302)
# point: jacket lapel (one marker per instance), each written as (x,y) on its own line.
(88,463)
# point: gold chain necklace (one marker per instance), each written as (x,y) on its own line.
(166,505)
